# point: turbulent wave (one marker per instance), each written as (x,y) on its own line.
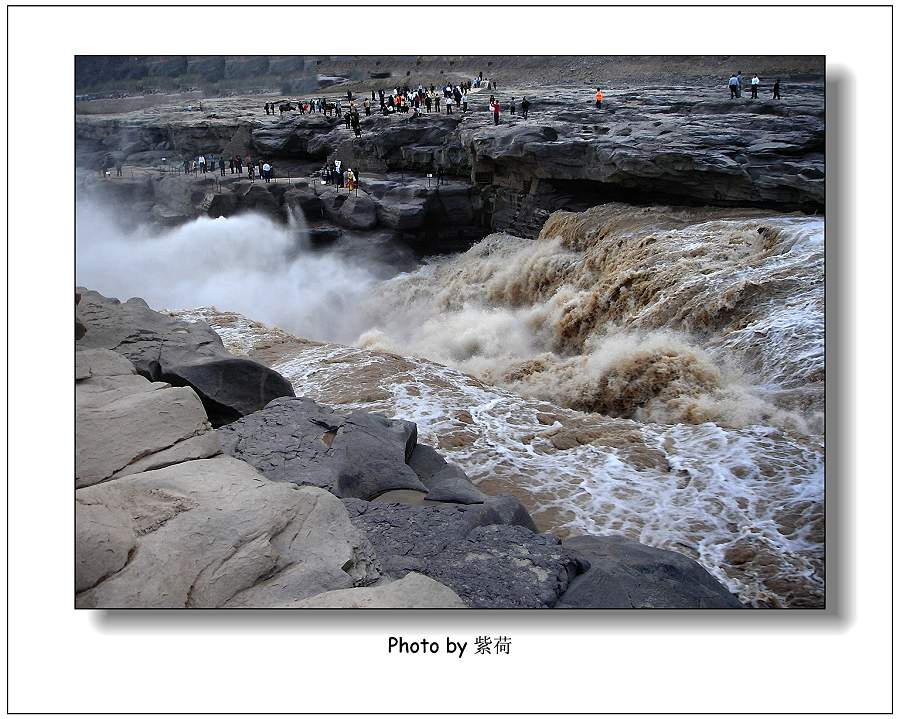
(745,502)
(651,313)
(650,372)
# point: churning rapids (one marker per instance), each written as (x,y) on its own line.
(653,372)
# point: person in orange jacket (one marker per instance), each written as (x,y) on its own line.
(599,97)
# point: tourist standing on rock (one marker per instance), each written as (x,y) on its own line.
(525,106)
(201,162)
(347,120)
(496,106)
(512,106)
(740,83)
(449,101)
(187,166)
(266,170)
(776,90)
(250,167)
(732,87)
(754,87)
(598,97)
(354,123)
(237,164)
(267,108)
(367,106)
(260,166)
(222,166)
(231,165)
(428,103)
(465,103)
(118,168)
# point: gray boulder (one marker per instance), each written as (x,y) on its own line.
(628,575)
(181,353)
(445,482)
(257,198)
(212,533)
(402,208)
(304,197)
(486,563)
(297,440)
(414,591)
(353,210)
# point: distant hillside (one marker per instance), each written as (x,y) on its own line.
(130,74)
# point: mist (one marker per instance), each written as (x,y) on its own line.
(248,264)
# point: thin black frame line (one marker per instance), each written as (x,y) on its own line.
(419,610)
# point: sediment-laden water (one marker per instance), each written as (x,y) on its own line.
(645,371)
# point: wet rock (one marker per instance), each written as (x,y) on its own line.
(486,563)
(304,197)
(445,482)
(213,533)
(257,198)
(221,204)
(414,591)
(624,574)
(180,353)
(297,440)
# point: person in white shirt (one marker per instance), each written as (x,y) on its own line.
(267,171)
(754,86)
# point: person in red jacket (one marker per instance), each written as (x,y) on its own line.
(496,108)
(599,97)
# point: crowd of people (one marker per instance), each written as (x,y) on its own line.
(235,164)
(334,175)
(399,100)
(736,87)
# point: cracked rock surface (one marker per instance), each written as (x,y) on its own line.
(213,533)
(359,455)
(486,553)
(125,424)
